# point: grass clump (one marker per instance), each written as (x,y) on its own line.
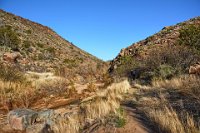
(50,50)
(95,108)
(10,74)
(120,120)
(171,106)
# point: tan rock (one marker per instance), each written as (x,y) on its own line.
(195,69)
(11,57)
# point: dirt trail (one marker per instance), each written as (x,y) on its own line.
(133,125)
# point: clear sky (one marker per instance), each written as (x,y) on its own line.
(103,27)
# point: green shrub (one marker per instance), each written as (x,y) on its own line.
(27,44)
(70,63)
(190,35)
(28,31)
(50,50)
(120,121)
(166,71)
(41,56)
(9,38)
(40,45)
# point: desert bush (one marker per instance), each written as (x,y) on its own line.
(41,56)
(8,38)
(70,62)
(51,50)
(16,95)
(40,45)
(56,87)
(159,63)
(190,36)
(166,71)
(176,58)
(27,44)
(11,74)
(28,31)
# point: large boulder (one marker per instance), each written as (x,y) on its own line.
(11,57)
(20,119)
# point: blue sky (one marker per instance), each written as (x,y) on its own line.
(103,27)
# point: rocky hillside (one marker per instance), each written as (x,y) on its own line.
(34,47)
(165,54)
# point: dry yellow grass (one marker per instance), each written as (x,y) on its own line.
(94,108)
(35,86)
(187,84)
(14,94)
(71,124)
(107,101)
(169,121)
(168,104)
(38,79)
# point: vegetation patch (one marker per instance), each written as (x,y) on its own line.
(159,63)
(190,36)
(9,38)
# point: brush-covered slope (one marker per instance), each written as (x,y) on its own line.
(34,47)
(165,54)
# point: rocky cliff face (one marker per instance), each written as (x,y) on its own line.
(39,48)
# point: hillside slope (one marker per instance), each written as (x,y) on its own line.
(34,47)
(164,70)
(165,54)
